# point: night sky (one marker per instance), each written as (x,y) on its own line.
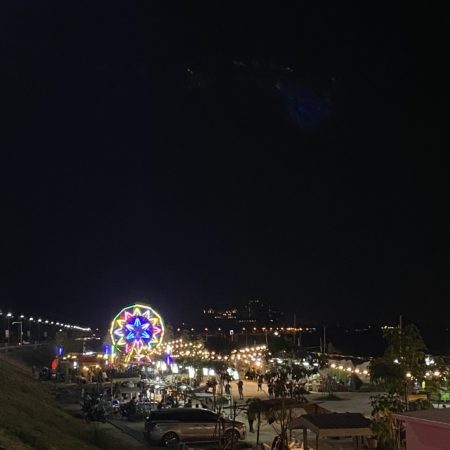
(200,155)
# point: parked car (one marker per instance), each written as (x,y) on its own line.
(170,426)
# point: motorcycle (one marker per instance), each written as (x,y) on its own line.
(94,413)
(129,410)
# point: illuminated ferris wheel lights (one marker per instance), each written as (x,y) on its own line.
(137,331)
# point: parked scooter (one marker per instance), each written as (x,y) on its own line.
(94,412)
(129,410)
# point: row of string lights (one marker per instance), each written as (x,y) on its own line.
(180,348)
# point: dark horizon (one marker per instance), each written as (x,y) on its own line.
(213,155)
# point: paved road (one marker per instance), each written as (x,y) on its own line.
(133,429)
(351,402)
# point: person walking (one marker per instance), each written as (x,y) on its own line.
(270,389)
(241,389)
(228,388)
(260,382)
(251,416)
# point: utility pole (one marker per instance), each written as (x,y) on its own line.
(324,339)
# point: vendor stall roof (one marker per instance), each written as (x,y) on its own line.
(334,424)
(437,417)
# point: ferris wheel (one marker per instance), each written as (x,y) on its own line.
(137,331)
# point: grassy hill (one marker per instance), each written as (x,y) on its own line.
(30,417)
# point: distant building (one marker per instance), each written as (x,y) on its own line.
(255,313)
(259,313)
(221,314)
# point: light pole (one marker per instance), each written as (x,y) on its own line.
(31,319)
(21,333)
(8,316)
(39,330)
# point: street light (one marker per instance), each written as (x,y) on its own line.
(8,316)
(21,332)
(31,319)
(39,329)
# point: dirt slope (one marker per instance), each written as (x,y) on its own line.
(30,418)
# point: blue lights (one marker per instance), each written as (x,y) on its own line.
(138,328)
